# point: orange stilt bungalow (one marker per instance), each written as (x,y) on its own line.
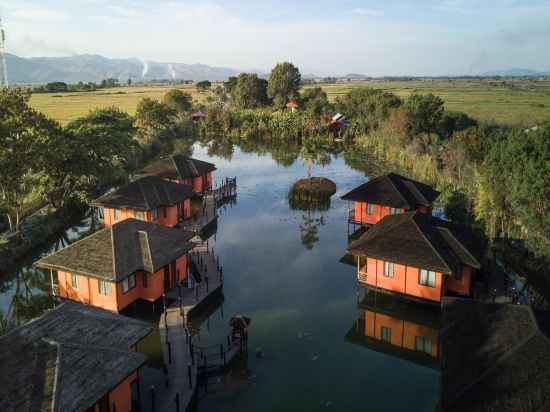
(388,195)
(399,329)
(184,170)
(73,358)
(418,256)
(116,266)
(150,199)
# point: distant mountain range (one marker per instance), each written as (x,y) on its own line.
(516,72)
(94,68)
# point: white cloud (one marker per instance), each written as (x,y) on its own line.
(368,12)
(39,13)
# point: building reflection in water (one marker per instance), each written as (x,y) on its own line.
(397,328)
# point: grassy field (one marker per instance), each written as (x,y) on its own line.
(522,102)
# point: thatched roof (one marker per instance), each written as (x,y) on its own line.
(394,190)
(125,248)
(147,193)
(178,167)
(420,240)
(67,359)
(494,358)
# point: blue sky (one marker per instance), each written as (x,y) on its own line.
(422,37)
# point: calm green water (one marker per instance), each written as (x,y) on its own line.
(282,268)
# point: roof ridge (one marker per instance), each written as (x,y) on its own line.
(459,243)
(111,229)
(138,182)
(389,176)
(178,171)
(413,215)
(146,234)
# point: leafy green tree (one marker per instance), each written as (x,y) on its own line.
(103,144)
(250,91)
(178,100)
(367,108)
(315,101)
(204,85)
(56,87)
(452,122)
(154,120)
(284,83)
(424,113)
(458,208)
(22,134)
(230,84)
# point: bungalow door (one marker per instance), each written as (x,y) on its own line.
(180,212)
(173,274)
(166,278)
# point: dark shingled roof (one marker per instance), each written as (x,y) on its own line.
(178,167)
(494,358)
(125,248)
(420,240)
(394,190)
(147,193)
(67,359)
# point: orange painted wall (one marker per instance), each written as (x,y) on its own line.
(463,286)
(109,216)
(378,213)
(155,285)
(170,220)
(403,332)
(405,279)
(87,291)
(121,395)
(197,183)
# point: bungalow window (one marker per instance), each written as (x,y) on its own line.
(385,334)
(388,269)
(394,211)
(427,278)
(140,215)
(129,283)
(117,215)
(74,280)
(370,209)
(423,344)
(154,214)
(104,287)
(144,279)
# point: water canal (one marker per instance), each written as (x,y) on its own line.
(283,269)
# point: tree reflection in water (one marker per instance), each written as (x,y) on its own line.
(311,221)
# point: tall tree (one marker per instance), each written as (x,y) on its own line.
(22,134)
(284,83)
(153,119)
(424,113)
(204,85)
(250,91)
(178,100)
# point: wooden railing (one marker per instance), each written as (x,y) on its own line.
(362,277)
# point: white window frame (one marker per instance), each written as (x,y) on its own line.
(385,334)
(104,287)
(370,209)
(389,269)
(74,280)
(132,281)
(116,214)
(154,214)
(423,344)
(140,215)
(427,278)
(394,211)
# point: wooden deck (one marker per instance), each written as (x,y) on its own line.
(227,189)
(208,215)
(176,340)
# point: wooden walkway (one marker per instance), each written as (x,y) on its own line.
(227,189)
(175,336)
(208,215)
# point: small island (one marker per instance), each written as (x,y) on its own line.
(312,189)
